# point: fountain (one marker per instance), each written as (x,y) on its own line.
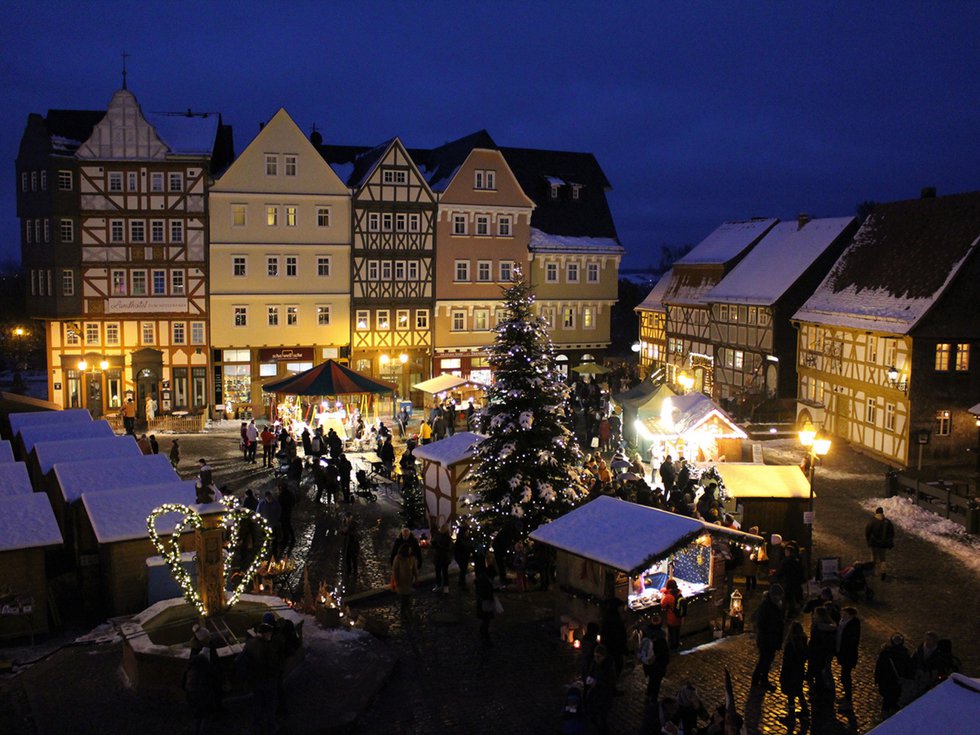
(156,642)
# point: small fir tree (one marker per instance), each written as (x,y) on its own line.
(413,505)
(525,472)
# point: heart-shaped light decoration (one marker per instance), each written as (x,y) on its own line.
(232,521)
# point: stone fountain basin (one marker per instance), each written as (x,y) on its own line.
(156,643)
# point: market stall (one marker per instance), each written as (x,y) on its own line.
(14,479)
(445,473)
(951,708)
(31,435)
(22,419)
(694,427)
(451,386)
(772,498)
(48,453)
(642,401)
(609,548)
(6,451)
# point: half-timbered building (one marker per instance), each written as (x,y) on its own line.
(131,314)
(393,215)
(280,264)
(653,329)
(752,307)
(887,343)
(690,349)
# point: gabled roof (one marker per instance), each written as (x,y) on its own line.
(587,216)
(780,258)
(763,480)
(354,164)
(543,242)
(115,473)
(24,419)
(728,242)
(952,708)
(6,452)
(689,412)
(67,129)
(50,453)
(120,515)
(14,479)
(31,435)
(654,299)
(899,264)
(439,165)
(451,450)
(27,522)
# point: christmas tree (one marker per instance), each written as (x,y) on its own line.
(525,472)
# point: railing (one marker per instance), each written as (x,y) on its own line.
(191,423)
(946,499)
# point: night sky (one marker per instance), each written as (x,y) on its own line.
(696,115)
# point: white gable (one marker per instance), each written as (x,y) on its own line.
(123,133)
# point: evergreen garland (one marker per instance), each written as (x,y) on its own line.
(525,472)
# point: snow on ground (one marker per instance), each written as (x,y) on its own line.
(942,532)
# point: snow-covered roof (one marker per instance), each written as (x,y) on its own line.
(343,170)
(727,242)
(544,241)
(31,435)
(190,136)
(19,421)
(27,522)
(6,452)
(898,265)
(69,450)
(952,708)
(120,515)
(975,410)
(763,481)
(654,299)
(100,475)
(780,258)
(452,449)
(444,382)
(624,535)
(14,479)
(689,412)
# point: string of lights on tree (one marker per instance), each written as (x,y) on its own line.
(234,516)
(526,471)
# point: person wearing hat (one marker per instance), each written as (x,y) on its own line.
(262,667)
(880,535)
(893,665)
(654,655)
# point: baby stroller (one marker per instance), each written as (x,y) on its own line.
(281,468)
(365,488)
(854,581)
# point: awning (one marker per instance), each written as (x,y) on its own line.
(627,536)
(763,481)
(444,382)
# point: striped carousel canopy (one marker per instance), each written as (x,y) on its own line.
(328,379)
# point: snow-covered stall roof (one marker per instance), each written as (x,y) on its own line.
(655,299)
(101,475)
(763,481)
(975,410)
(120,515)
(6,452)
(952,708)
(14,480)
(776,263)
(19,421)
(727,242)
(444,382)
(31,435)
(689,412)
(70,450)
(544,241)
(452,449)
(626,536)
(27,522)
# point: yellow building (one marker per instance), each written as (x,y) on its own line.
(653,331)
(280,264)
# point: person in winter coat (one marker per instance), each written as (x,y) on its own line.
(667,475)
(387,455)
(820,652)
(654,655)
(690,707)
(202,679)
(425,432)
(892,666)
(848,644)
(880,536)
(791,576)
(930,663)
(175,453)
(407,538)
(605,434)
(485,608)
(768,635)
(350,533)
(613,632)
(793,672)
(463,551)
(668,606)
(404,573)
(262,667)
(600,688)
(268,442)
(442,555)
(519,563)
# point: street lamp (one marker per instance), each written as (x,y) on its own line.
(817,446)
(82,366)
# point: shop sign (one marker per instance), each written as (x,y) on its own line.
(286,354)
(146,305)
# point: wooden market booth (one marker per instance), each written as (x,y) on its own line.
(611,548)
(27,529)
(771,497)
(30,436)
(445,472)
(694,427)
(452,386)
(641,402)
(45,455)
(111,535)
(15,421)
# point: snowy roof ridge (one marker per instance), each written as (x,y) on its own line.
(23,419)
(120,515)
(27,522)
(116,473)
(727,241)
(14,480)
(541,241)
(654,299)
(778,260)
(31,435)
(450,450)
(49,453)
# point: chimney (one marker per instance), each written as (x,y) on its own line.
(261,125)
(928,192)
(801,219)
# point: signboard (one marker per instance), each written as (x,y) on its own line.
(286,354)
(57,386)
(146,305)
(923,436)
(807,518)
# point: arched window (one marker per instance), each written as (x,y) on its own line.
(561,362)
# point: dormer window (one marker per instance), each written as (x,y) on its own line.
(485,179)
(554,190)
(576,191)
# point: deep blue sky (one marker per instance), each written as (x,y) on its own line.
(698,112)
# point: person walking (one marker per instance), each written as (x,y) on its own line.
(670,595)
(654,655)
(407,538)
(820,653)
(252,437)
(848,644)
(894,664)
(667,475)
(425,432)
(350,533)
(175,453)
(768,635)
(344,469)
(880,536)
(793,672)
(442,556)
(404,573)
(262,667)
(128,413)
(268,440)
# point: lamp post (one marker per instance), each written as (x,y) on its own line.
(817,447)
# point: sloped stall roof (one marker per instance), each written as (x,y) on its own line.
(689,412)
(626,536)
(444,382)
(951,708)
(14,479)
(450,450)
(120,515)
(20,421)
(900,262)
(727,242)
(32,435)
(763,481)
(780,258)
(6,452)
(27,522)
(69,450)
(100,475)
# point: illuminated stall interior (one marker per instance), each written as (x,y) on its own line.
(694,427)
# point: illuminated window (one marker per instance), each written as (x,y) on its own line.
(119,283)
(179,332)
(290,216)
(71,336)
(384,320)
(943,423)
(148,333)
(962,357)
(323,316)
(568,317)
(739,359)
(112,333)
(272,216)
(481,320)
(363,319)
(401,319)
(91,334)
(942,356)
(588,317)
